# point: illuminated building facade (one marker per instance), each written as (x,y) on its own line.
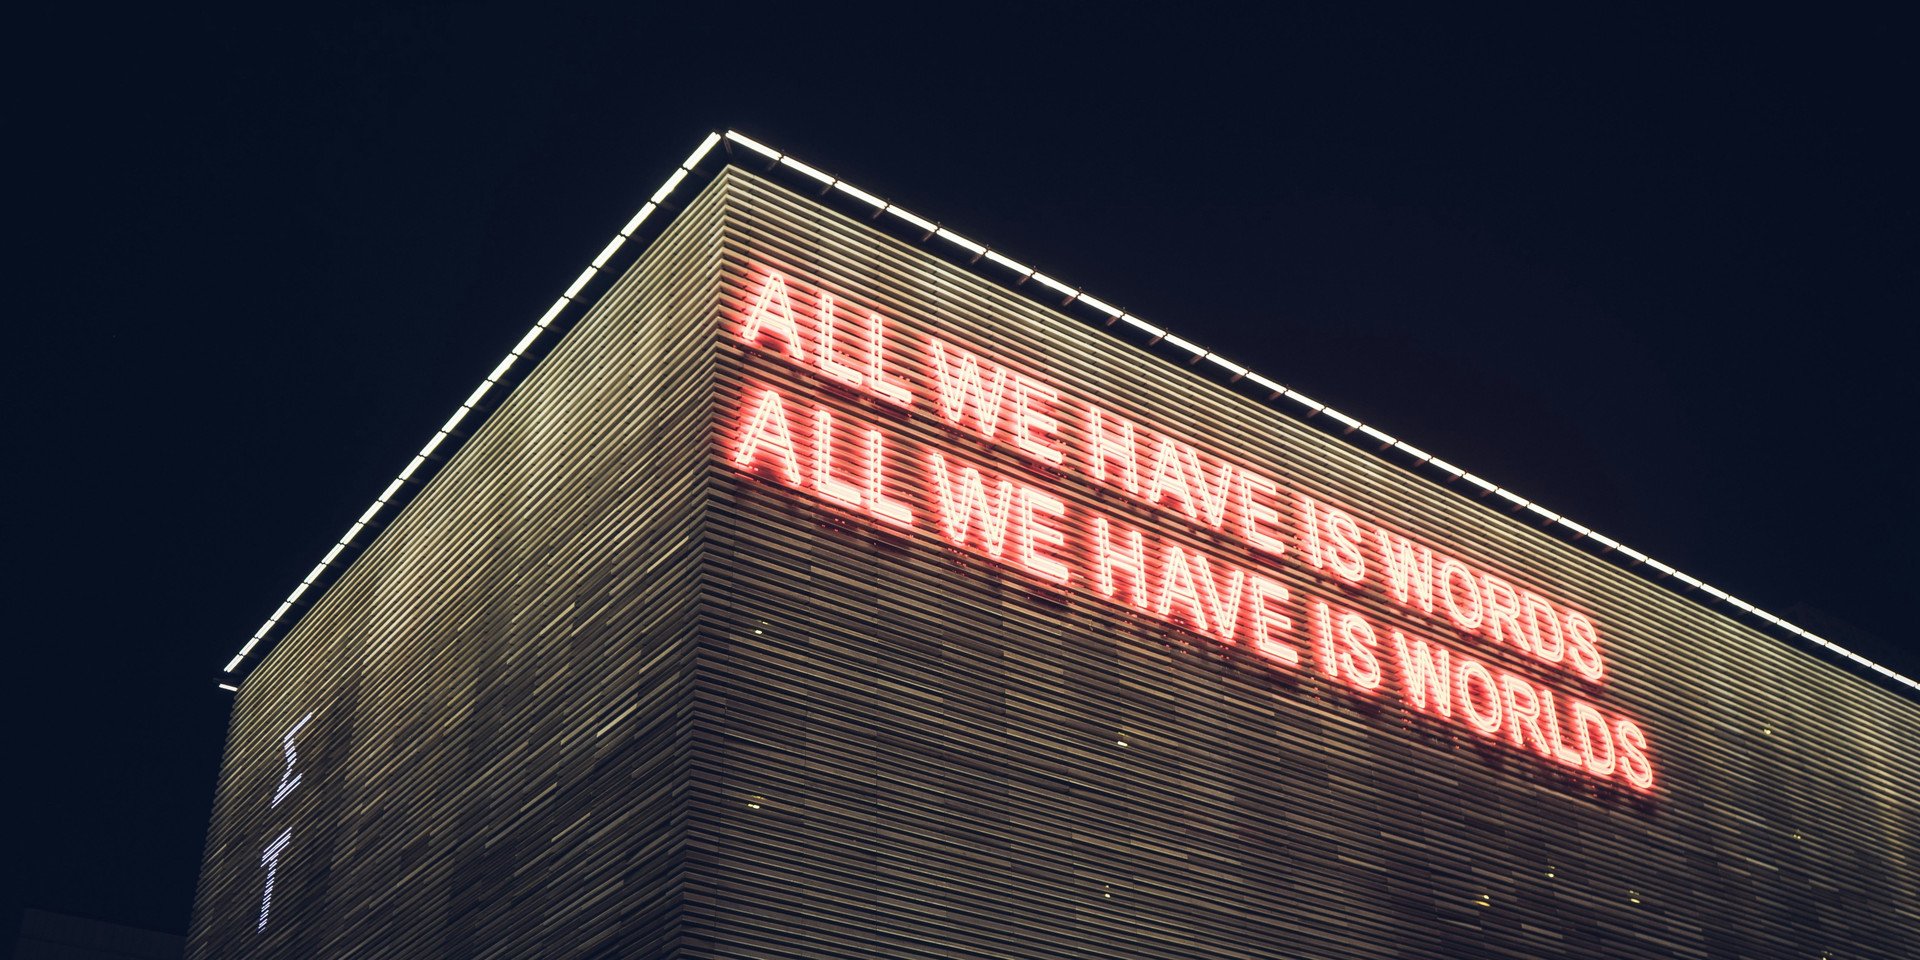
(836,587)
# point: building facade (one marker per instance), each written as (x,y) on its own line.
(835,589)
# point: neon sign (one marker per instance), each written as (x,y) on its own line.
(270,857)
(962,448)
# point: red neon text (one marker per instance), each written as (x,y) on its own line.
(1209,547)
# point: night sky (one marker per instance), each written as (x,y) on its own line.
(1655,273)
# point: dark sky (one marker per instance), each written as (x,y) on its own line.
(1653,272)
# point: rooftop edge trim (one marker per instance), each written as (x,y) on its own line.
(1381,445)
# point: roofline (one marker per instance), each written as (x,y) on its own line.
(1046,289)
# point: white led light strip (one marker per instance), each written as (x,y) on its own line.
(473,399)
(1157,335)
